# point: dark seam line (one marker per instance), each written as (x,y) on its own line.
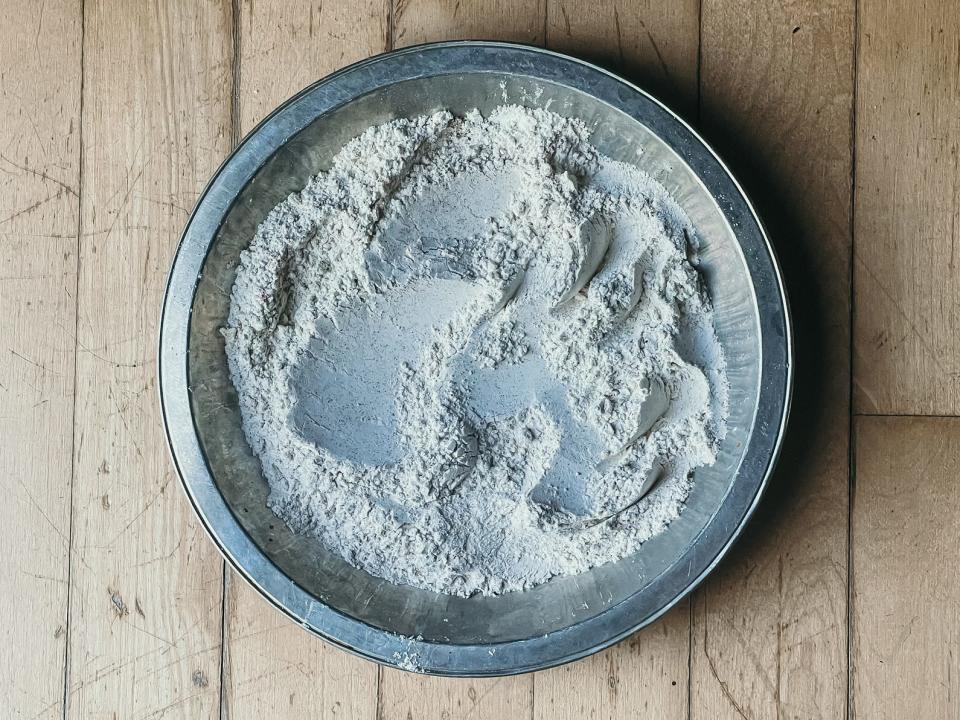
(695,593)
(234,142)
(690,658)
(391,25)
(533,696)
(224,713)
(699,64)
(851,433)
(76,352)
(907,416)
(546,16)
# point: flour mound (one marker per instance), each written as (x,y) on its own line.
(458,353)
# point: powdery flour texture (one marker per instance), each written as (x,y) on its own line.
(465,353)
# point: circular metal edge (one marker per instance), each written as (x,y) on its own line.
(564,645)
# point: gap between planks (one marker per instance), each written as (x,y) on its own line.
(76,351)
(851,443)
(223,712)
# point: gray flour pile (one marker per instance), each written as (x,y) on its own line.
(467,352)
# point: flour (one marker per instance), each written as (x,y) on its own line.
(502,341)
(475,353)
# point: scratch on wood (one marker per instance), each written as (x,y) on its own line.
(896,304)
(656,50)
(125,200)
(33,362)
(31,208)
(713,671)
(40,174)
(616,21)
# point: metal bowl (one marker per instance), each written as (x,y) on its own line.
(568,617)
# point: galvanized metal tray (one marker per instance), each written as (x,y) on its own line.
(566,618)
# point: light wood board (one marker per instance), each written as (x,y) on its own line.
(907,270)
(39,185)
(145,591)
(420,21)
(905,595)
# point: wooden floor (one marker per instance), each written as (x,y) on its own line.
(842,117)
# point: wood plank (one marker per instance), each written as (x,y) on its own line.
(420,21)
(274,668)
(644,676)
(656,46)
(907,273)
(905,617)
(404,695)
(650,43)
(283,47)
(39,225)
(145,597)
(776,94)
(658,656)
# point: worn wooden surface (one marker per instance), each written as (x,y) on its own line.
(907,269)
(842,121)
(39,221)
(777,81)
(145,613)
(905,591)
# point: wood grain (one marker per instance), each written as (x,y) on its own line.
(644,676)
(650,43)
(404,695)
(420,21)
(39,221)
(273,668)
(907,357)
(145,596)
(283,47)
(905,611)
(777,95)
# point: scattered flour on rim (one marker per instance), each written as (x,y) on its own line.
(466,353)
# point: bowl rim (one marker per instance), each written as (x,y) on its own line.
(614,623)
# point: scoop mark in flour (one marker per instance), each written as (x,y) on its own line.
(465,354)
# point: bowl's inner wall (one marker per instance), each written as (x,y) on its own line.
(409,611)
